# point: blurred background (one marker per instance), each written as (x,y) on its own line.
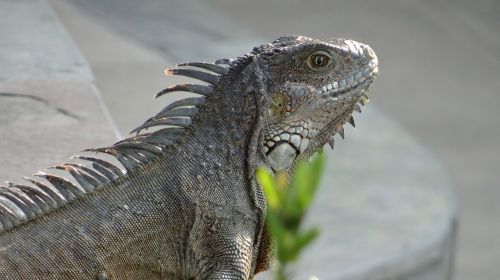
(439,75)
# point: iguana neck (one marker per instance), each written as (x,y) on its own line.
(221,132)
(228,118)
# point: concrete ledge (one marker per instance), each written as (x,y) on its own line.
(50,108)
(34,44)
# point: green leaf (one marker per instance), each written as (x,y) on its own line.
(266,180)
(316,168)
(274,225)
(306,238)
(287,205)
(306,180)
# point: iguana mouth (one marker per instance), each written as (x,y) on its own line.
(363,77)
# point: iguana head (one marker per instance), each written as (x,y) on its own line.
(306,89)
(312,89)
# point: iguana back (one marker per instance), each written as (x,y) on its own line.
(182,202)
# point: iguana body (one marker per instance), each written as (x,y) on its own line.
(187,205)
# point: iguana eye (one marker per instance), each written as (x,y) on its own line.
(278,105)
(319,60)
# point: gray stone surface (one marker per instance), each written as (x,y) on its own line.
(190,23)
(115,60)
(49,106)
(34,44)
(386,207)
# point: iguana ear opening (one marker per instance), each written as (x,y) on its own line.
(278,106)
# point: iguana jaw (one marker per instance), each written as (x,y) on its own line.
(322,115)
(296,142)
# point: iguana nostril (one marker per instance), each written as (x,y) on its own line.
(368,52)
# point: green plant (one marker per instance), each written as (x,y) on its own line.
(287,204)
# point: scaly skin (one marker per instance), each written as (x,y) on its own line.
(188,205)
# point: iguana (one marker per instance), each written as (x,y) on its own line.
(179,199)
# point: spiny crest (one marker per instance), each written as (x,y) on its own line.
(279,45)
(46,192)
